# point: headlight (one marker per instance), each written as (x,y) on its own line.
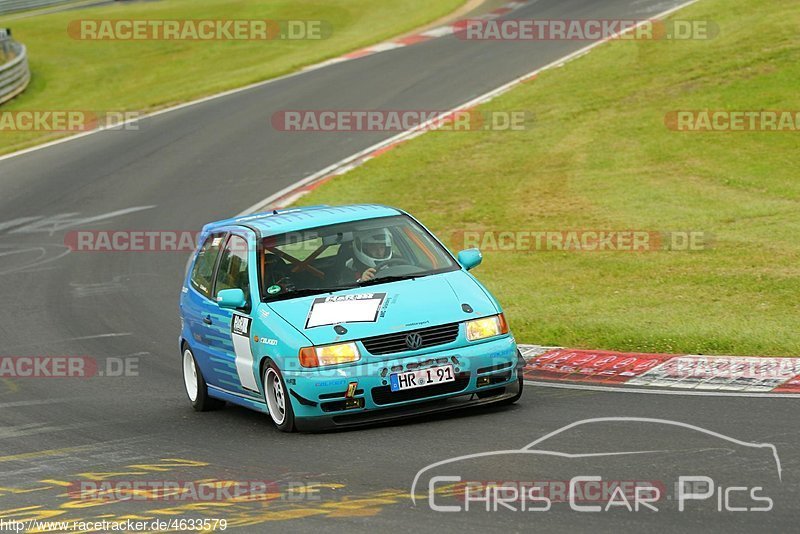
(486,327)
(329,355)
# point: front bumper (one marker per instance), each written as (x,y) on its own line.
(319,397)
(368,417)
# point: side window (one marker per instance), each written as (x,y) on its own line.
(422,249)
(203,272)
(232,272)
(400,247)
(302,249)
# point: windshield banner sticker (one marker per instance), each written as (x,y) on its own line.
(357,308)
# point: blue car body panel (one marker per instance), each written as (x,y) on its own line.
(231,347)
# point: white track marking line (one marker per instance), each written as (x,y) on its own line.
(17,404)
(42,260)
(420,129)
(64,221)
(383,47)
(67,340)
(326,63)
(47,10)
(685,393)
(30,429)
(18,222)
(439,32)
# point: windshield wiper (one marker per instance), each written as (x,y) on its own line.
(386,279)
(306,291)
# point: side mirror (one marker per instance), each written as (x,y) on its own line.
(231,299)
(470,258)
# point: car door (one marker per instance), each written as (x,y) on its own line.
(234,353)
(197,306)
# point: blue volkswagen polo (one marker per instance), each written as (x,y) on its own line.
(327,317)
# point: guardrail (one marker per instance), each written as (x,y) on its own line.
(14,74)
(10,6)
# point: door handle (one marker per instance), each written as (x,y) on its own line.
(207,319)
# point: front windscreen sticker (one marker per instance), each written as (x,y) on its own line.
(358,308)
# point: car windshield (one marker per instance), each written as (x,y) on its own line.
(348,255)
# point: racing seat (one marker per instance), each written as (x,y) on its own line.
(343,255)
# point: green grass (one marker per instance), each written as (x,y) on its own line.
(597,155)
(144,75)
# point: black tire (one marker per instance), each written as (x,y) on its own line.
(276,397)
(198,396)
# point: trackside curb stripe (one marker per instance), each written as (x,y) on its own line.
(729,375)
(427,35)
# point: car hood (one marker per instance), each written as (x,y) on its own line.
(385,308)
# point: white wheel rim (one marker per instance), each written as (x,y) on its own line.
(190,375)
(276,397)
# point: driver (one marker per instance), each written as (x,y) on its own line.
(371,250)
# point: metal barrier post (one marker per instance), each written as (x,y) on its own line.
(15,73)
(5,43)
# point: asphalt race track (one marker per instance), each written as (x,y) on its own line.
(184,168)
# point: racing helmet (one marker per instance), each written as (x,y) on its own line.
(365,253)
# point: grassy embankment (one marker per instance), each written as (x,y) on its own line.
(599,156)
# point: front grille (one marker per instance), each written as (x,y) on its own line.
(391,343)
(384,395)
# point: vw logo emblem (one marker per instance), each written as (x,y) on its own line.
(413,341)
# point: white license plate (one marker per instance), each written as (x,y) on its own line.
(422,377)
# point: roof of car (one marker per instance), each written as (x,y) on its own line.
(297,219)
